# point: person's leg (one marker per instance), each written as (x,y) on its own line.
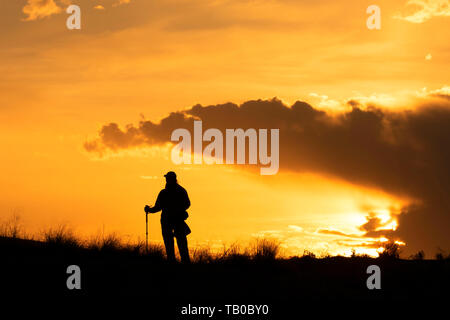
(167,234)
(183,248)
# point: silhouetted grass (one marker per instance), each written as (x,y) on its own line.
(114,267)
(61,237)
(260,249)
(202,255)
(12,228)
(105,243)
(234,253)
(265,249)
(154,250)
(64,239)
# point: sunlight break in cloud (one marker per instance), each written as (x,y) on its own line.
(441,93)
(428,9)
(40,9)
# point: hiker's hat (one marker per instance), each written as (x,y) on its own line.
(171,174)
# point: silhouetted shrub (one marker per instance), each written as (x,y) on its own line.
(355,255)
(308,254)
(323,254)
(420,255)
(391,251)
(440,255)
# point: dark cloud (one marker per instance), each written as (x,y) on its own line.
(147,133)
(403,152)
(375,227)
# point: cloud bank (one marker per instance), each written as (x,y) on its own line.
(39,9)
(402,152)
(425,10)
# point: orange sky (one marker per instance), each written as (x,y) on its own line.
(137,58)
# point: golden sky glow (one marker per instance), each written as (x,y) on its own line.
(139,59)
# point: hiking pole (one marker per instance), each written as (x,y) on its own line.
(146,233)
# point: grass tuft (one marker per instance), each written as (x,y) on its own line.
(265,249)
(12,227)
(61,237)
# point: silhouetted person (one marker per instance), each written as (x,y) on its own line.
(173,200)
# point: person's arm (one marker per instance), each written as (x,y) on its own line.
(156,207)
